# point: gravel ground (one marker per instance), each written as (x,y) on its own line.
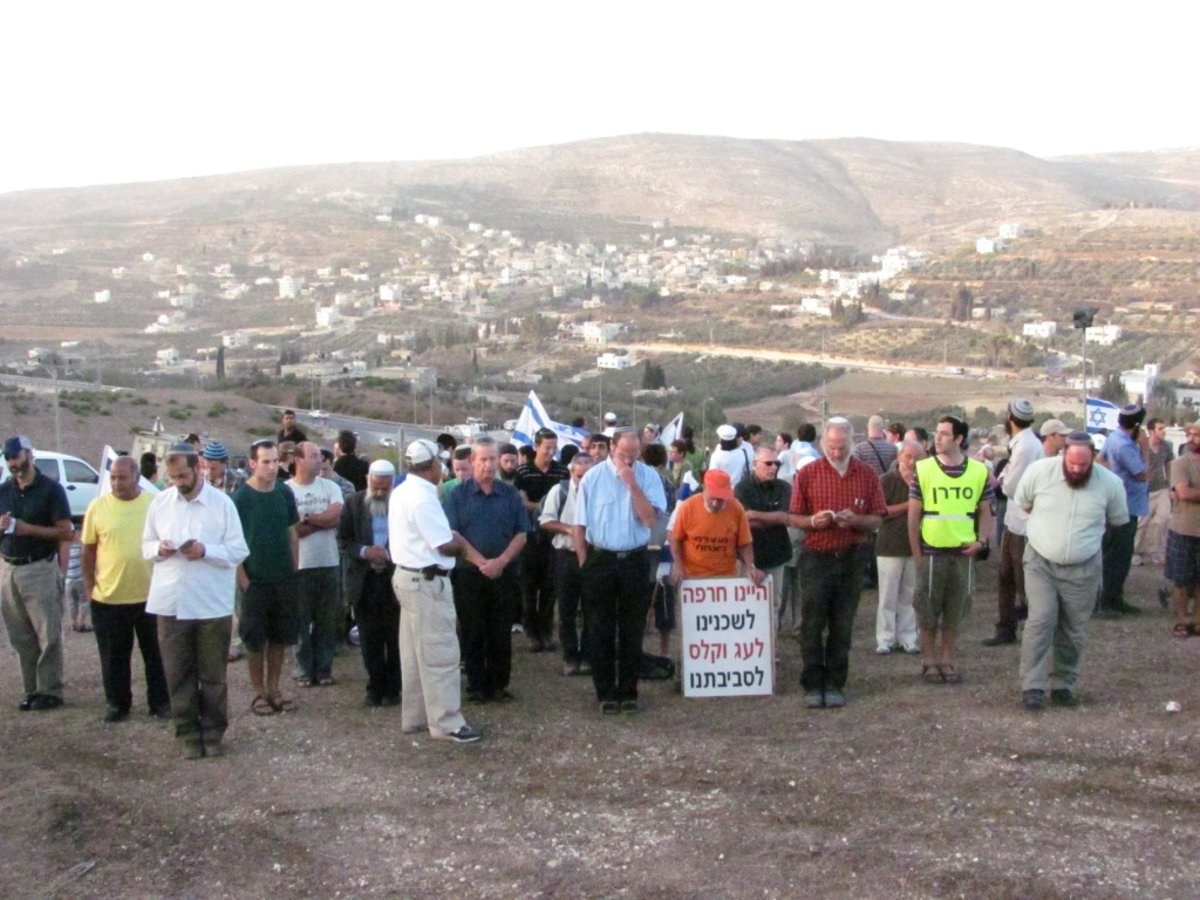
(912,790)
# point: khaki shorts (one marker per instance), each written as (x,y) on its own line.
(943,595)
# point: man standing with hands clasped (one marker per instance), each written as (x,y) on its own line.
(949,518)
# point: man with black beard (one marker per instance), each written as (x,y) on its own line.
(1070,501)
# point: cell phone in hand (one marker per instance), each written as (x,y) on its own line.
(188,544)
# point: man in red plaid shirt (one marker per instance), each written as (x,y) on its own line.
(838,502)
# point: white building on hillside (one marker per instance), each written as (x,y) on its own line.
(1040,330)
(1104,335)
(614,361)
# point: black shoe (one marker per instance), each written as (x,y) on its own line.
(115,714)
(43,702)
(390,700)
(1127,609)
(1021,613)
(999,639)
(162,711)
(27,704)
(464,735)
(504,695)
(476,697)
(1033,700)
(632,707)
(372,701)
(1063,697)
(610,707)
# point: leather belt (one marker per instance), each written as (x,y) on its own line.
(617,554)
(430,572)
(26,560)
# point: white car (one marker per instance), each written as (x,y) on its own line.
(318,414)
(387,442)
(78,478)
(510,425)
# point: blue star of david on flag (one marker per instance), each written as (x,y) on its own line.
(1101,414)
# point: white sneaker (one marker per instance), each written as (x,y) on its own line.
(883,650)
(518,629)
(1137,559)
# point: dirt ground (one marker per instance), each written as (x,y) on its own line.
(912,790)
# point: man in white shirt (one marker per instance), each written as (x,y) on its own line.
(558,512)
(423,548)
(1024,447)
(193,535)
(319,504)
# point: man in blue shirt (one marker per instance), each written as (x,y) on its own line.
(489,514)
(1124,454)
(619,501)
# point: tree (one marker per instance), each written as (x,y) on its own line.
(653,378)
(1113,388)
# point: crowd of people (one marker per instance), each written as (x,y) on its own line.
(431,570)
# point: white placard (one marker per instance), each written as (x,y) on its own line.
(728,637)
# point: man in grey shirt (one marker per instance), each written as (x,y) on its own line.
(1071,501)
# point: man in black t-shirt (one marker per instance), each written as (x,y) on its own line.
(534,481)
(34,519)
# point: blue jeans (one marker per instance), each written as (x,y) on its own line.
(318,611)
(829,586)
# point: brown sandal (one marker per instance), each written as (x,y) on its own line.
(261,706)
(950,674)
(1183,630)
(932,674)
(281,704)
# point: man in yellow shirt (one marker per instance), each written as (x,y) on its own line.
(117,580)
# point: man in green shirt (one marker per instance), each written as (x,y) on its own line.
(267,625)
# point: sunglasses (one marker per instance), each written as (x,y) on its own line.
(774,463)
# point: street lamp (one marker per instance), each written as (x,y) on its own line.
(1082,319)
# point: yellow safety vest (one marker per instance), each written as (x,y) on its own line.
(948,504)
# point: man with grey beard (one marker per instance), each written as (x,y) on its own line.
(1070,501)
(363,538)
(838,501)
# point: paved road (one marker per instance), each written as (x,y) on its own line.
(824,359)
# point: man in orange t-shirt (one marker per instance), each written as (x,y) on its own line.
(710,534)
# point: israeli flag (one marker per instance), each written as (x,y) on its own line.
(1101,414)
(107,458)
(671,431)
(534,416)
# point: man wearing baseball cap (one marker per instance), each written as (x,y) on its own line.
(1023,448)
(423,548)
(1054,436)
(711,534)
(34,519)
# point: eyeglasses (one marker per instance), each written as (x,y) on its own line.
(774,463)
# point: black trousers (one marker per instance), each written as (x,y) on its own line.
(378,617)
(116,626)
(616,595)
(483,606)
(537,588)
(829,588)
(568,589)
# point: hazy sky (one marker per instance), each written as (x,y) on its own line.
(133,91)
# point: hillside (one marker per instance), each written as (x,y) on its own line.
(853,192)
